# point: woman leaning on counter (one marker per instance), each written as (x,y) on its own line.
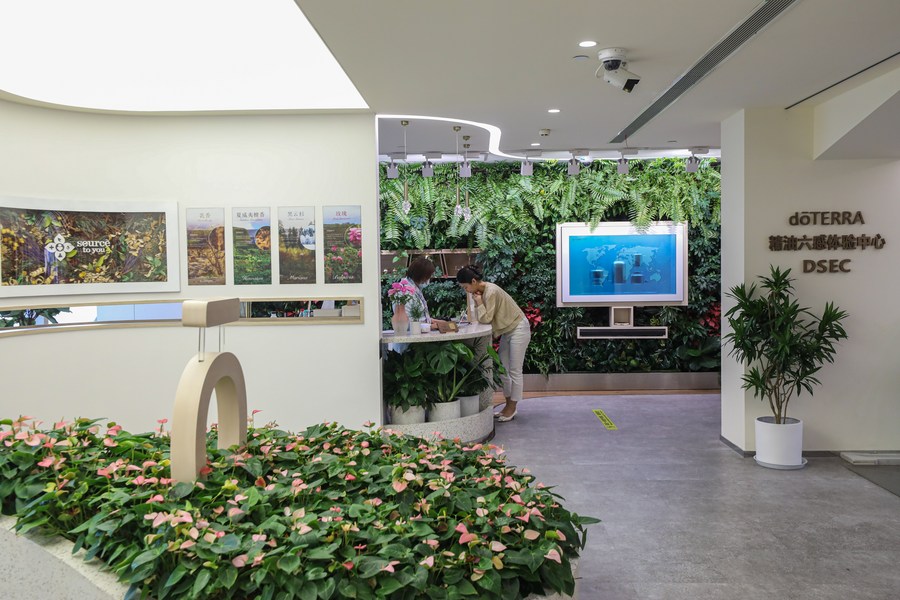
(495,307)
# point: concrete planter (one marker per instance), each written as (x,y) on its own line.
(444,411)
(469,405)
(415,414)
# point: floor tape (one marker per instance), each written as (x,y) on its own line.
(607,422)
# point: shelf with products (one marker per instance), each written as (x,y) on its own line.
(448,261)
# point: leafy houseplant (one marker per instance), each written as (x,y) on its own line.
(326,513)
(403,380)
(450,365)
(783,344)
(416,310)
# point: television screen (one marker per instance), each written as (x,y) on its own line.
(616,264)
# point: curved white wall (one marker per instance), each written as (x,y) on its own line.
(296,375)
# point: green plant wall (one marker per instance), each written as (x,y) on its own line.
(513,220)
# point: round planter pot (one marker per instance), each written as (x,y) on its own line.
(443,411)
(415,414)
(779,446)
(469,405)
(415,328)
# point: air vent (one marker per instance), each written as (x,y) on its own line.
(730,44)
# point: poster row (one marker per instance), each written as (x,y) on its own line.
(253,235)
(85,247)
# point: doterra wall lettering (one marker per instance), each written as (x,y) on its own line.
(826,241)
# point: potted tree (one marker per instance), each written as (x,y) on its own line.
(783,346)
(405,387)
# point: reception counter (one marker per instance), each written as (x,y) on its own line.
(475,428)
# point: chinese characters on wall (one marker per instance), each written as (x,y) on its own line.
(827,241)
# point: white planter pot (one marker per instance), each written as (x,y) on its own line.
(469,405)
(415,414)
(779,446)
(415,328)
(444,411)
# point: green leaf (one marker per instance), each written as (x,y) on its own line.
(369,566)
(227,576)
(289,563)
(181,489)
(176,575)
(203,577)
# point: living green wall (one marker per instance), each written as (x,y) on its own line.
(512,219)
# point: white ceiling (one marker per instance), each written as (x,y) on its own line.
(505,62)
(498,63)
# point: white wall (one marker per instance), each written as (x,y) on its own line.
(857,407)
(296,375)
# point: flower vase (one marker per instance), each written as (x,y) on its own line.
(400,321)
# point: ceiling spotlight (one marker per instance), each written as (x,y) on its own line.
(574,167)
(393,171)
(427,169)
(691,165)
(465,169)
(553,111)
(587,44)
(535,143)
(527,168)
(622,166)
(612,64)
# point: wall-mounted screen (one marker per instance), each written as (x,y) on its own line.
(616,264)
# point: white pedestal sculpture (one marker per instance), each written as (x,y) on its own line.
(205,372)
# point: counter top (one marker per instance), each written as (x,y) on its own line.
(472,330)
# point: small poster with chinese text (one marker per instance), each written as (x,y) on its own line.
(206,246)
(297,244)
(343,243)
(252,242)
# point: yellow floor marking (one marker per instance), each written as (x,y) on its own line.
(607,422)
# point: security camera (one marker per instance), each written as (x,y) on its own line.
(613,63)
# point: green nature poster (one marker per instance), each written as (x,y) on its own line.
(206,246)
(252,242)
(297,244)
(46,249)
(343,244)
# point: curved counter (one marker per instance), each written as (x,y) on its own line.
(475,428)
(466,332)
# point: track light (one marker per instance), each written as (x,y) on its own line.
(622,166)
(692,164)
(393,171)
(527,168)
(427,169)
(465,169)
(574,167)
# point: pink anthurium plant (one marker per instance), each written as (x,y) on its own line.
(327,513)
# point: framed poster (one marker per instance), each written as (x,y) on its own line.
(58,247)
(205,246)
(297,244)
(252,245)
(343,244)
(617,264)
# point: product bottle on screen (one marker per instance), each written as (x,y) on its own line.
(637,276)
(619,271)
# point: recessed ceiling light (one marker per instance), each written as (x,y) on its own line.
(536,144)
(580,57)
(553,110)
(587,44)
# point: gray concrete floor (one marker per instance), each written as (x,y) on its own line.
(685,517)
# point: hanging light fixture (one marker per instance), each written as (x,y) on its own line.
(465,168)
(457,210)
(407,205)
(393,171)
(693,163)
(427,168)
(526,169)
(622,164)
